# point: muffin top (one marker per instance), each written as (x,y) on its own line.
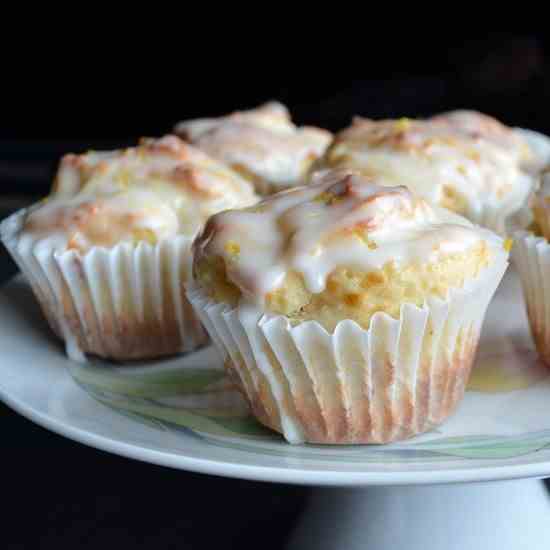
(343,247)
(262,144)
(462,160)
(161,188)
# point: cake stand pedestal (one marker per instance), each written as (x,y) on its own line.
(504,515)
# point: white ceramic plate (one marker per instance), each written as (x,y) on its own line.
(180,413)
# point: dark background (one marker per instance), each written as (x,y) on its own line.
(59,494)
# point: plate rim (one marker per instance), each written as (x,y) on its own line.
(290,475)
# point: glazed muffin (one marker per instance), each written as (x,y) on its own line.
(347,311)
(262,144)
(463,160)
(531,254)
(108,252)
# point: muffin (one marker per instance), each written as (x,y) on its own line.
(108,252)
(346,311)
(464,161)
(262,144)
(531,255)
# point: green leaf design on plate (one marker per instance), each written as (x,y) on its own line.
(154,383)
(134,391)
(233,424)
(145,420)
(458,440)
(216,422)
(507,449)
(247,425)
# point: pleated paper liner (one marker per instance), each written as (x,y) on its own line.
(399,378)
(123,303)
(531,256)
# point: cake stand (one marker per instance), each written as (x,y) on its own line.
(470,484)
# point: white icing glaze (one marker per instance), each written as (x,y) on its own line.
(341,219)
(539,145)
(487,164)
(159,189)
(272,116)
(264,141)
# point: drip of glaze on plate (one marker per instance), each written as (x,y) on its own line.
(506,372)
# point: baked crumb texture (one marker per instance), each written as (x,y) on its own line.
(157,190)
(263,145)
(367,233)
(462,160)
(108,252)
(347,311)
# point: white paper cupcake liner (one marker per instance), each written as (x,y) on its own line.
(399,378)
(531,255)
(126,302)
(523,216)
